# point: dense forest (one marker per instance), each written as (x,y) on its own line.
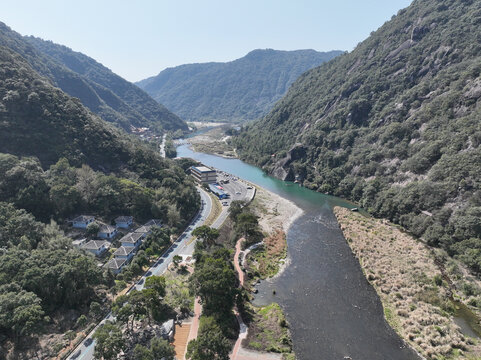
(240,90)
(59,160)
(394,126)
(103,92)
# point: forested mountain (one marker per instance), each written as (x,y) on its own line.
(40,120)
(57,160)
(103,92)
(394,125)
(240,90)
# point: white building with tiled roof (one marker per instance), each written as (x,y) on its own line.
(96,247)
(82,221)
(132,239)
(124,222)
(125,252)
(116,265)
(107,232)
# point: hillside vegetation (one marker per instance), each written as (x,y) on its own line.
(393,125)
(58,160)
(118,93)
(240,90)
(103,92)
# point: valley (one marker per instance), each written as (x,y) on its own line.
(273,204)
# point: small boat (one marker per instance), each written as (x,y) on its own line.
(354,209)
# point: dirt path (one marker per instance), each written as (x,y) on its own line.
(194,325)
(239,353)
(242,325)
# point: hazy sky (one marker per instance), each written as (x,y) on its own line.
(137,39)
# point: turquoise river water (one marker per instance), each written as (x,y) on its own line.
(333,312)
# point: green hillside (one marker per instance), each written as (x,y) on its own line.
(394,125)
(40,120)
(118,93)
(59,160)
(106,94)
(240,90)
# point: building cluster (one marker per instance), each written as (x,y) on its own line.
(205,175)
(130,242)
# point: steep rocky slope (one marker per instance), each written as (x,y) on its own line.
(394,125)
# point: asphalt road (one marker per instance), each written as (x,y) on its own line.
(184,246)
(237,189)
(162,146)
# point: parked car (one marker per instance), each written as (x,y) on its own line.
(88,342)
(76,355)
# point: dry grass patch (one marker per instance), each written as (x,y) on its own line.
(268,330)
(216,210)
(265,261)
(409,283)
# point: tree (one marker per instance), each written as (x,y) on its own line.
(142,353)
(210,344)
(95,310)
(235,208)
(109,341)
(20,311)
(214,281)
(247,223)
(93,229)
(157,283)
(206,233)
(176,260)
(160,349)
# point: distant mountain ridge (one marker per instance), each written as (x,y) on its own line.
(103,92)
(239,90)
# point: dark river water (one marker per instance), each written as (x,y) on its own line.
(332,310)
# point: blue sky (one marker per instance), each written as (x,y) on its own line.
(137,39)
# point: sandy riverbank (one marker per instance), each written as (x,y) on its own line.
(274,211)
(214,141)
(410,285)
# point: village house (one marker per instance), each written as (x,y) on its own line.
(107,232)
(125,252)
(147,227)
(124,222)
(115,265)
(78,243)
(82,221)
(96,247)
(132,240)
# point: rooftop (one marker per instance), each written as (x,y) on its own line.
(83,218)
(123,219)
(123,250)
(131,237)
(148,226)
(153,222)
(107,229)
(216,190)
(95,244)
(115,264)
(202,168)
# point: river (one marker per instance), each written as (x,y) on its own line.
(332,310)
